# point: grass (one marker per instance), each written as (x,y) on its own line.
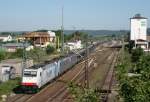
(7,87)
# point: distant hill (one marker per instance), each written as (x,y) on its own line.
(99,32)
(90,32)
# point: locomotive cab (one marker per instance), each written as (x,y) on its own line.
(30,80)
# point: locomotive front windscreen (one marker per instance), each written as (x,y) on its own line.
(30,73)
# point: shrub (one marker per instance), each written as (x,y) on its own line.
(50,49)
(136,54)
(19,53)
(2,55)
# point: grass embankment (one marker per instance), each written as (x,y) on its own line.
(7,87)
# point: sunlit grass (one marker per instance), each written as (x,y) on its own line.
(7,87)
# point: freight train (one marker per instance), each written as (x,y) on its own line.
(39,75)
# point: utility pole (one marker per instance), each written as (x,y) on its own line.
(86,65)
(57,42)
(24,56)
(62,32)
(122,47)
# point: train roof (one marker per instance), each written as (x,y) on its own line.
(41,65)
(49,61)
(36,66)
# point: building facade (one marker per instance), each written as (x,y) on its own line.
(40,38)
(5,38)
(74,45)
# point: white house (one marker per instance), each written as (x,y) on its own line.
(5,38)
(74,45)
(52,36)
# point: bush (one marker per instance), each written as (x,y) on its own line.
(2,55)
(37,54)
(135,88)
(136,54)
(50,49)
(19,53)
(82,94)
(7,87)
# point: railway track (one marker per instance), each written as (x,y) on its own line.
(105,89)
(59,87)
(57,90)
(67,97)
(64,95)
(25,97)
(20,98)
(64,92)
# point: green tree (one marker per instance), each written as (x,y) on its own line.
(50,49)
(2,55)
(135,88)
(5,33)
(58,34)
(19,53)
(81,94)
(130,46)
(37,54)
(143,67)
(136,54)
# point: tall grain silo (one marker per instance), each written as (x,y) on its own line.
(138,32)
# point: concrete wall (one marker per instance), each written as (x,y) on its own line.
(17,64)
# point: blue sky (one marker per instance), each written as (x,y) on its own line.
(20,15)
